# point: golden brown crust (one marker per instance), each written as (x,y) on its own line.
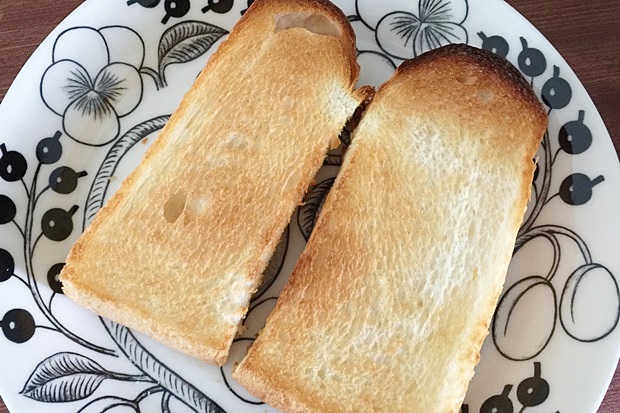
(325,7)
(348,35)
(499,72)
(499,68)
(214,354)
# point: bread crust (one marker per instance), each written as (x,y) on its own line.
(347,39)
(504,74)
(175,280)
(484,117)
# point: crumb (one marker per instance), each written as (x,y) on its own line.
(242,329)
(145,141)
(334,142)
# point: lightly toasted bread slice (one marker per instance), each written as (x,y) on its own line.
(179,249)
(389,303)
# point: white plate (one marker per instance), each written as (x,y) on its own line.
(108,77)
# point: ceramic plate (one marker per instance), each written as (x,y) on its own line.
(92,99)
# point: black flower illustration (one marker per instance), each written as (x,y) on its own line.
(433,23)
(93,88)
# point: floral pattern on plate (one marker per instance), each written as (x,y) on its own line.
(109,83)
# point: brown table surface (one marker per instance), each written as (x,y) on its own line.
(587,34)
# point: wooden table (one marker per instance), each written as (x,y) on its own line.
(587,34)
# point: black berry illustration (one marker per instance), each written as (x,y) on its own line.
(64,179)
(52,277)
(576,189)
(175,8)
(533,390)
(18,325)
(575,137)
(249,4)
(219,6)
(7,209)
(7,265)
(531,61)
(556,92)
(57,224)
(499,403)
(144,3)
(49,149)
(495,44)
(12,165)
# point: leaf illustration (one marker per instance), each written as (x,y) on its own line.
(309,212)
(104,404)
(64,377)
(159,372)
(185,42)
(120,148)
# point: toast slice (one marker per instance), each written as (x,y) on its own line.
(178,251)
(389,303)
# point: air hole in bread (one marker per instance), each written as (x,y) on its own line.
(466,79)
(315,23)
(485,95)
(174,206)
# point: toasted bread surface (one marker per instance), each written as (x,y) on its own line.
(180,247)
(390,301)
